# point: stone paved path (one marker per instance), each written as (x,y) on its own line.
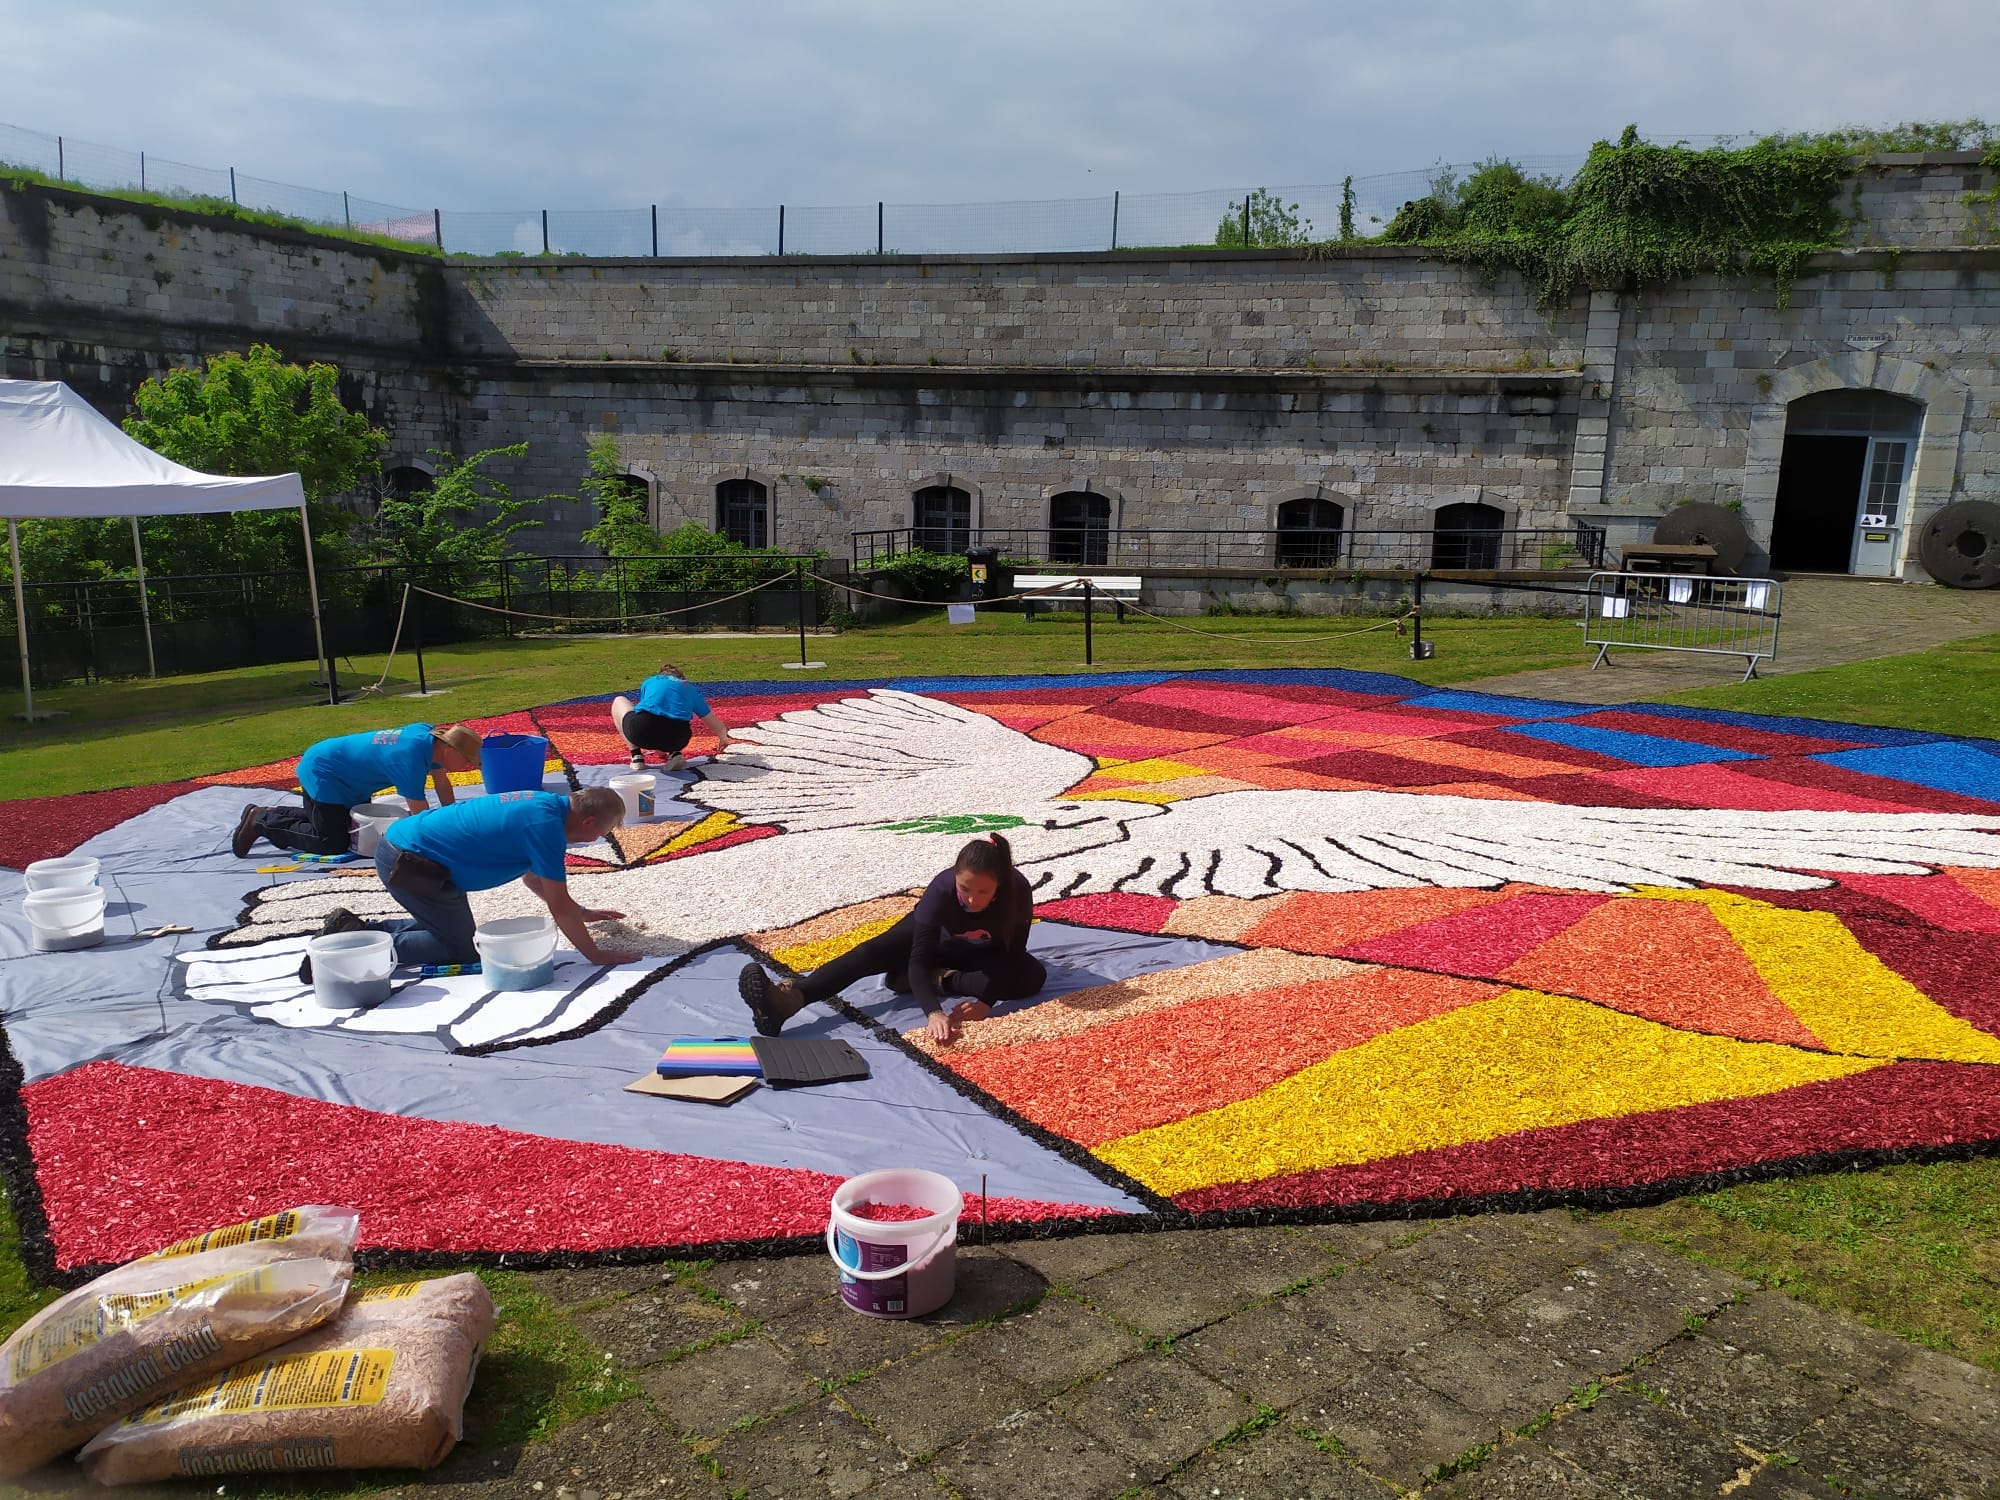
(1534,1355)
(1826,621)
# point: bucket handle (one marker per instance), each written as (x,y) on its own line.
(937,1243)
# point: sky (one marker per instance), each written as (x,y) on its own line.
(613,104)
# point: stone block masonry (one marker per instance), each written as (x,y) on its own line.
(1189,389)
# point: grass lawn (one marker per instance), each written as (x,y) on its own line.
(124,733)
(1911,1249)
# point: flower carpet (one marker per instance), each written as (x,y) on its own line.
(1321,944)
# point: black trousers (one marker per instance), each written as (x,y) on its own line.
(315,828)
(984,971)
(646,731)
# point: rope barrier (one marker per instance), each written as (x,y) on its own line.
(657,614)
(1044,593)
(395,642)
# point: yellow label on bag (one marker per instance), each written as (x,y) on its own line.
(250,1232)
(283,1382)
(97,1319)
(394,1293)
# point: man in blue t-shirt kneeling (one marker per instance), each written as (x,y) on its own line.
(337,775)
(431,861)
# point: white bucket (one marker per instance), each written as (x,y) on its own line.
(71,869)
(351,969)
(637,790)
(899,1268)
(370,818)
(62,917)
(516,953)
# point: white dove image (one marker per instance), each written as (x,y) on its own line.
(844,783)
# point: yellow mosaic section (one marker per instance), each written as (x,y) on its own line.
(803,957)
(1520,1061)
(1845,995)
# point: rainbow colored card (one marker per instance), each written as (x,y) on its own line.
(717,1056)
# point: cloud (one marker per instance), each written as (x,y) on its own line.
(510,106)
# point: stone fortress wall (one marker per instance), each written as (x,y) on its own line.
(1191,389)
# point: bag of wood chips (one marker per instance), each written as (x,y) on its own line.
(382,1386)
(147,1328)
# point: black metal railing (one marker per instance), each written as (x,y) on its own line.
(1578,546)
(213,622)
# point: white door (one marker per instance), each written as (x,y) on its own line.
(1878,526)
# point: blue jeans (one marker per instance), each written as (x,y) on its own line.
(439,928)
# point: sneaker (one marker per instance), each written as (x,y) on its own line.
(754,985)
(676,761)
(638,760)
(246,832)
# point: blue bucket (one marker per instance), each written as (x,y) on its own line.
(513,762)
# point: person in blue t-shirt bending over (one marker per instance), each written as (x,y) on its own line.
(337,775)
(662,718)
(430,862)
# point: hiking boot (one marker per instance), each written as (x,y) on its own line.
(771,1002)
(340,919)
(246,832)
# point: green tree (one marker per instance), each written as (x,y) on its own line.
(1346,209)
(1272,221)
(244,414)
(462,520)
(622,529)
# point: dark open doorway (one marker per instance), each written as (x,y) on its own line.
(1819,497)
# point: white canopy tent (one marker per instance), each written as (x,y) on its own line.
(60,458)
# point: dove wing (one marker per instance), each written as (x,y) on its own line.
(888,755)
(1261,843)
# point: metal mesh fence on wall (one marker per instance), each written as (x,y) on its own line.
(1113,221)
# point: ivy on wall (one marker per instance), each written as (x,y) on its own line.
(1640,215)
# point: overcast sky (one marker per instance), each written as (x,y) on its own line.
(520,104)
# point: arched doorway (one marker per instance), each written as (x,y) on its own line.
(743,512)
(1080,528)
(941,519)
(1466,535)
(1309,533)
(1842,482)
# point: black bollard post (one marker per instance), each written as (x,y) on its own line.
(799,580)
(1088,658)
(1420,650)
(417,638)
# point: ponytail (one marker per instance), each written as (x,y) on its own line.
(991,856)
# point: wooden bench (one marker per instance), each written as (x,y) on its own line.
(1120,589)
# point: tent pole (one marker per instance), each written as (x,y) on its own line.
(145,615)
(20,619)
(312,588)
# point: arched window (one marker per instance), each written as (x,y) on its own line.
(941,519)
(1466,535)
(1309,533)
(743,512)
(1079,528)
(405,480)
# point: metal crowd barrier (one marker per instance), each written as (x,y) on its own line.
(1683,612)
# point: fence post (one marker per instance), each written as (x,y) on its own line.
(656,231)
(506,601)
(417,636)
(232,188)
(799,579)
(61,175)
(621,593)
(878,227)
(346,210)
(1114,219)
(781,229)
(142,171)
(1417,651)
(437,226)
(1088,658)
(545,231)
(1246,221)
